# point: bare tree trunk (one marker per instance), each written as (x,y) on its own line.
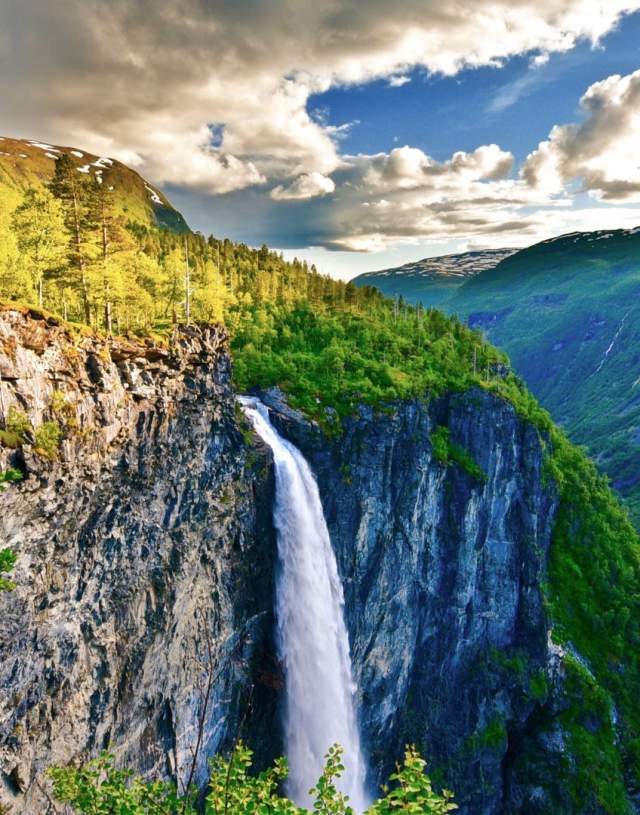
(77,237)
(187,285)
(105,251)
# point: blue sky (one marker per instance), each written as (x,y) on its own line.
(356,135)
(514,106)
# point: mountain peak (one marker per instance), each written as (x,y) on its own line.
(430,280)
(28,162)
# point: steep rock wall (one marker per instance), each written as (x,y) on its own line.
(444,574)
(146,541)
(148,538)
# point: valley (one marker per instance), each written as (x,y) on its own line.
(564,311)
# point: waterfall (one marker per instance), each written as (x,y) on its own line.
(312,636)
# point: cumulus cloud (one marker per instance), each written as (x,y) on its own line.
(144,80)
(409,168)
(602,151)
(405,195)
(308,185)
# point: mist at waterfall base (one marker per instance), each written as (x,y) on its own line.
(312,636)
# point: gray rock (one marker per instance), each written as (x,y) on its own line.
(443,578)
(149,537)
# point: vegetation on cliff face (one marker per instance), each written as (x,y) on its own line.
(594,601)
(98,788)
(7,561)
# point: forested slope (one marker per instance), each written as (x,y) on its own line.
(566,311)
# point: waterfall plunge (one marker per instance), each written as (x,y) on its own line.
(312,637)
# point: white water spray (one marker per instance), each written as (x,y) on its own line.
(312,636)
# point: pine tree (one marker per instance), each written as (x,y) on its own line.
(77,194)
(173,283)
(41,235)
(114,242)
(15,281)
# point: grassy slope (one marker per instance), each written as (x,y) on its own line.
(567,313)
(23,165)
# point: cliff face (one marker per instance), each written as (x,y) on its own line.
(146,542)
(443,576)
(146,557)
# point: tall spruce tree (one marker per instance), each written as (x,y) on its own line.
(76,192)
(114,244)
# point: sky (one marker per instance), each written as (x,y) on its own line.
(358,135)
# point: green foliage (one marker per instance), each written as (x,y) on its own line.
(17,422)
(330,356)
(413,791)
(539,685)
(8,476)
(17,425)
(594,571)
(492,736)
(41,236)
(446,452)
(100,789)
(327,799)
(594,773)
(234,791)
(7,561)
(47,439)
(440,444)
(512,661)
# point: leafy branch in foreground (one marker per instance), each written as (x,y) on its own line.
(414,791)
(100,789)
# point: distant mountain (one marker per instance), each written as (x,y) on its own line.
(25,163)
(430,281)
(567,311)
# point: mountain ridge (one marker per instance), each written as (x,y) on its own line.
(431,280)
(26,163)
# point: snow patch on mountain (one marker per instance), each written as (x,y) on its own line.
(464,265)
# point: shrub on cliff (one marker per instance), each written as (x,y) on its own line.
(100,789)
(7,561)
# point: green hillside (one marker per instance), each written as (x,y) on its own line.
(567,311)
(26,164)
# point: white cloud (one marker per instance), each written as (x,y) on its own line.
(145,79)
(406,168)
(601,152)
(398,81)
(403,196)
(309,185)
